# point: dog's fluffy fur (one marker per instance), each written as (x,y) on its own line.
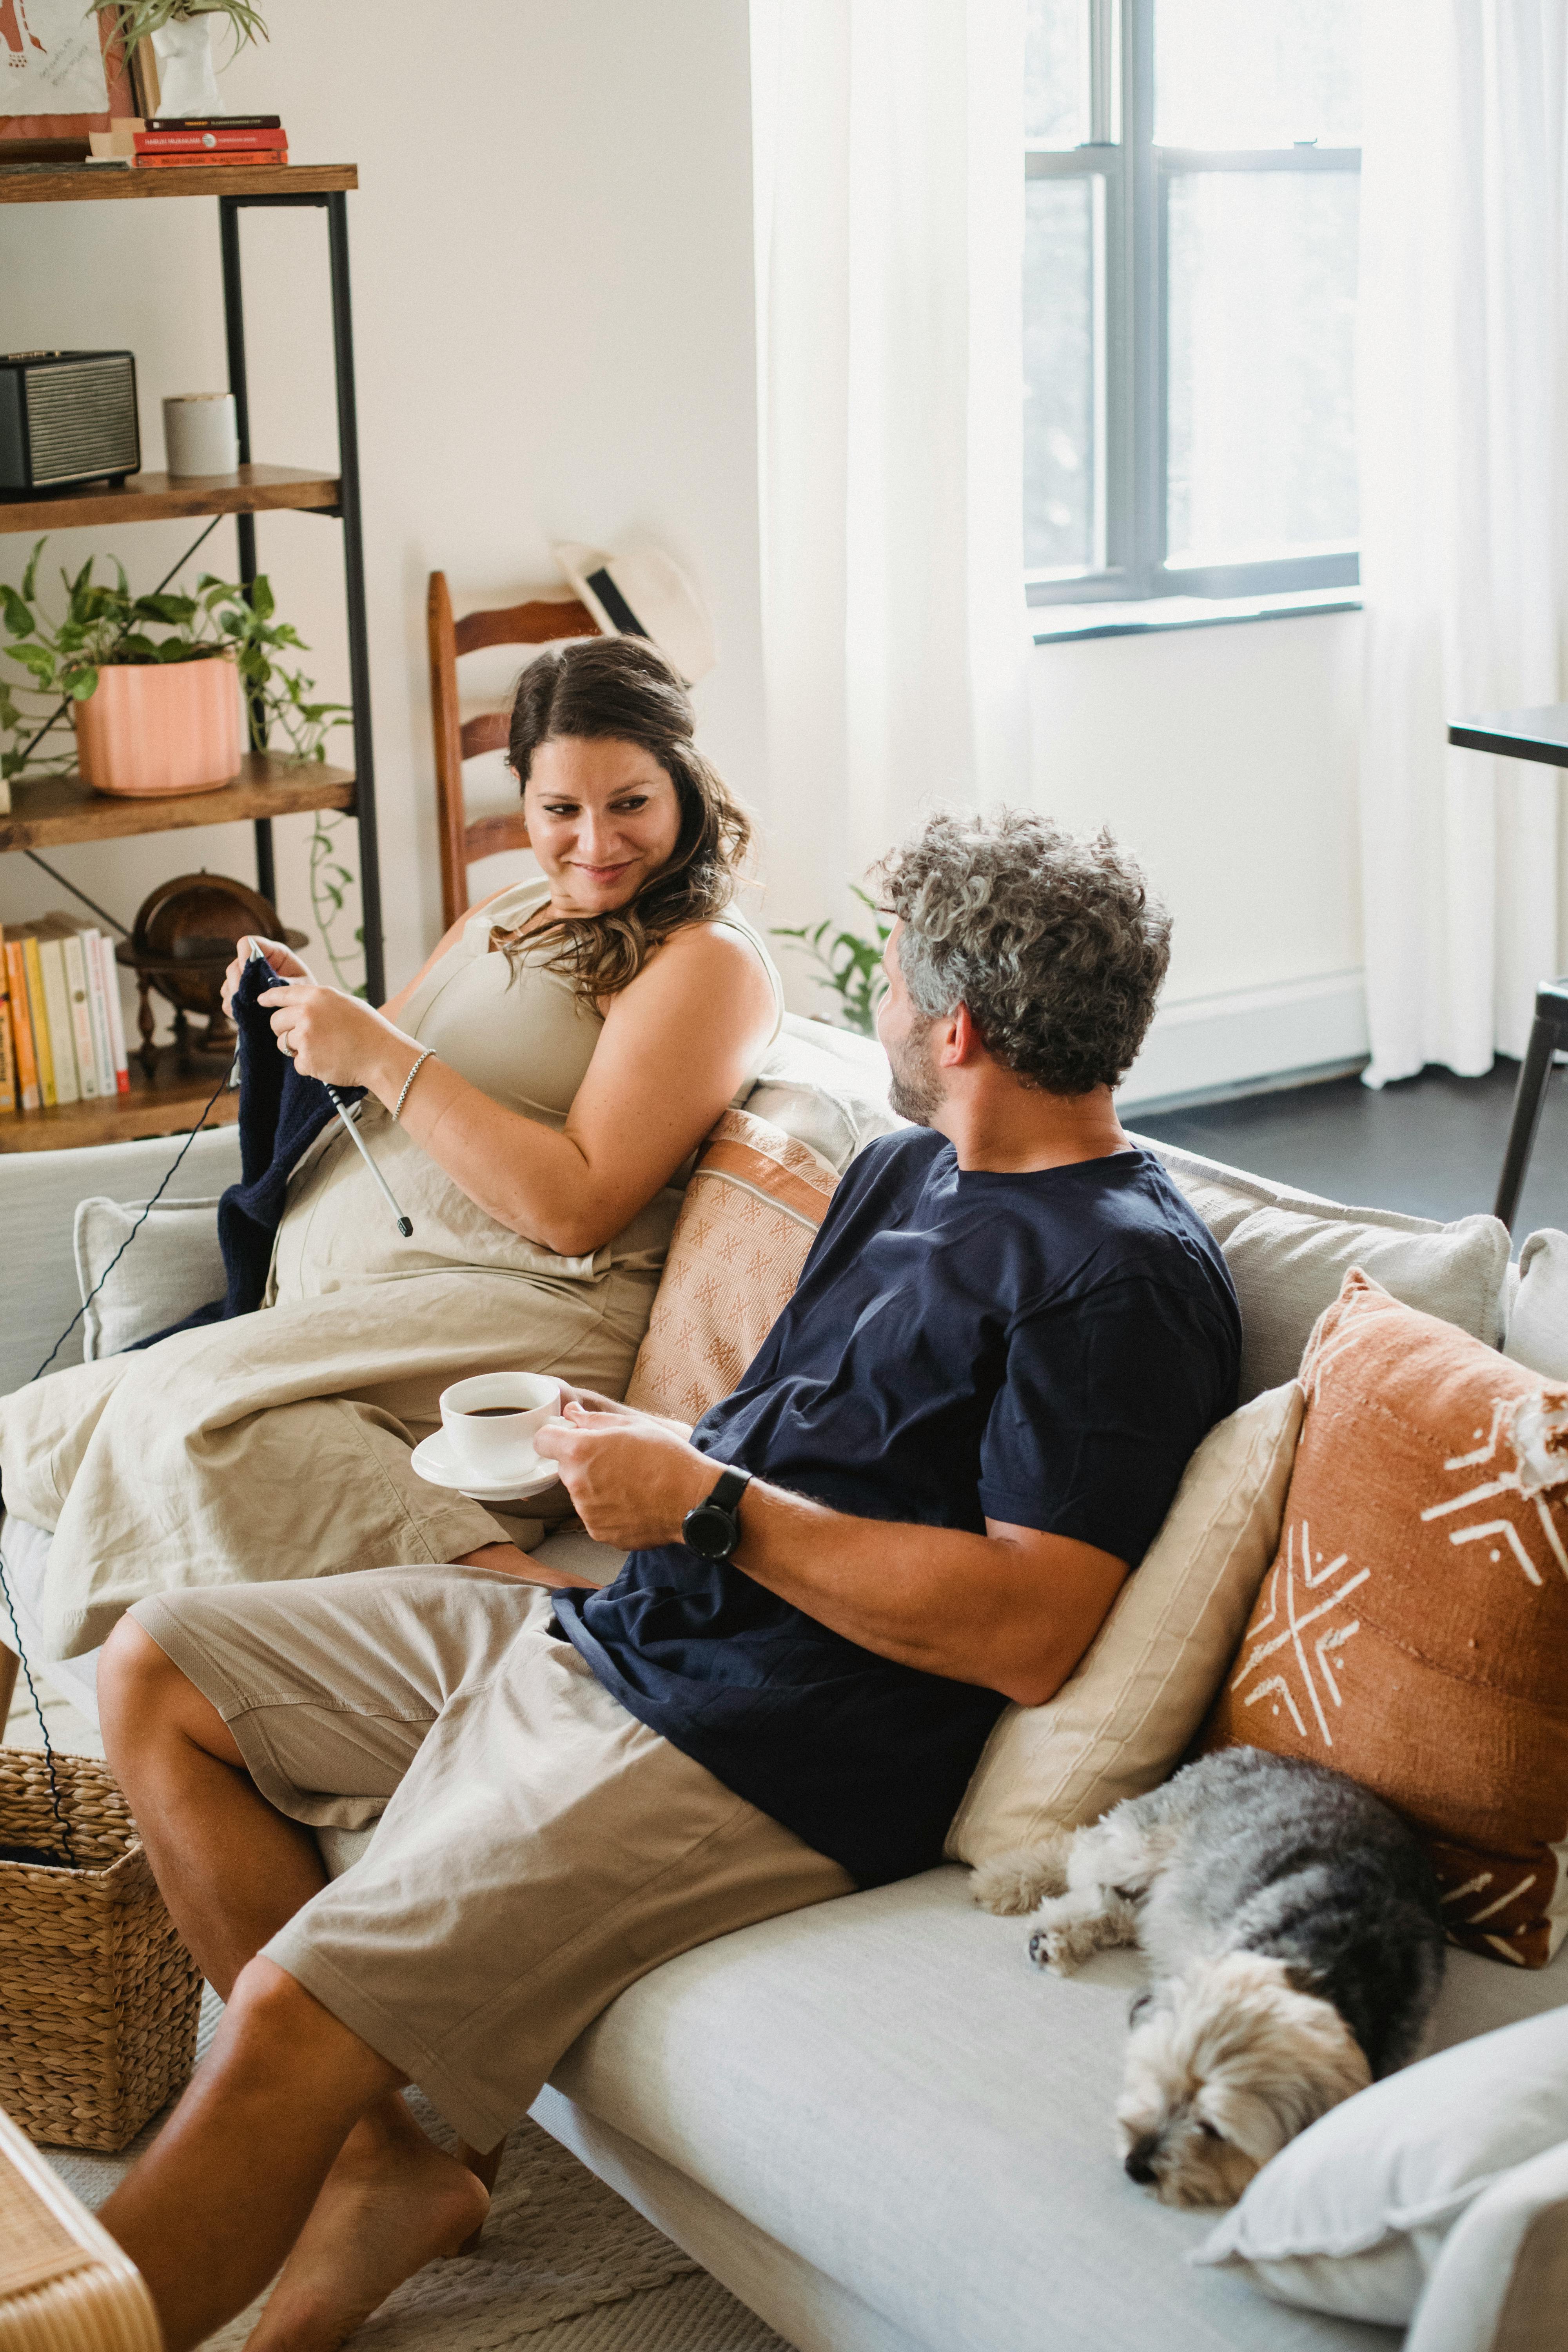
(1296,1945)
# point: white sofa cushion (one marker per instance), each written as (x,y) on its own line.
(826,1087)
(142,1268)
(1350,2217)
(1538,1317)
(1125,1717)
(38,1193)
(1289,1252)
(887,2087)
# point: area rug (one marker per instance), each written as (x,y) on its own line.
(564,2265)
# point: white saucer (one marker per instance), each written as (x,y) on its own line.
(433,1460)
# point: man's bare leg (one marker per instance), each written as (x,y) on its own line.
(292,2133)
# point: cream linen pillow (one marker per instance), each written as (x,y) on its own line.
(1538,1316)
(173,1266)
(1123,1720)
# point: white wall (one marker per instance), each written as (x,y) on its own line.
(554,332)
(551,257)
(1227,758)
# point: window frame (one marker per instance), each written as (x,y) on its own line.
(1133,278)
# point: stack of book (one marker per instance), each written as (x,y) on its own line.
(176,141)
(171,142)
(62,1037)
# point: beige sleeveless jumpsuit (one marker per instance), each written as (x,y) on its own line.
(278,1445)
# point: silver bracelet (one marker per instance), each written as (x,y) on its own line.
(408,1081)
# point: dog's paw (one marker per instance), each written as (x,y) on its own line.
(1058,1949)
(1018,1881)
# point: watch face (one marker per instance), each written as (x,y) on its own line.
(709,1531)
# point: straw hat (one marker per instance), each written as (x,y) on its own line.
(641,592)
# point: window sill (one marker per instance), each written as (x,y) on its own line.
(1054,623)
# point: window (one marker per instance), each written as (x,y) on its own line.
(1191,177)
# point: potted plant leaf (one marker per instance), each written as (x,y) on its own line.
(181,34)
(156,685)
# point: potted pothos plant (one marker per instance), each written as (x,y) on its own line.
(158,688)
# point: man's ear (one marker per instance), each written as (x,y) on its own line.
(958,1040)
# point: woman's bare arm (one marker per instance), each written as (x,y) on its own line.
(675,1048)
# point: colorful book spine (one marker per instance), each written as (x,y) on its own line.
(252,160)
(8,1100)
(92,944)
(210,142)
(213,122)
(63,1028)
(81,1018)
(21,1027)
(116,1015)
(37,1013)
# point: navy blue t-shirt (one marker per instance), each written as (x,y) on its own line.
(1045,1349)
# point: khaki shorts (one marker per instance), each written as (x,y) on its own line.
(537,1851)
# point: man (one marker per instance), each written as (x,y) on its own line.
(956,1443)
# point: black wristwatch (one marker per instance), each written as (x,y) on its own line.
(713,1528)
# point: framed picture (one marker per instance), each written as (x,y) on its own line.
(63,72)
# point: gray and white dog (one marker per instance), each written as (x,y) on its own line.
(1292,1926)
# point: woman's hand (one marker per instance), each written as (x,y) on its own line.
(284,962)
(329,1035)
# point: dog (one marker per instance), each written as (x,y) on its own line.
(1292,1926)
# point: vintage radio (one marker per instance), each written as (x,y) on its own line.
(67,416)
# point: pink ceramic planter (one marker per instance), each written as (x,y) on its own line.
(165,727)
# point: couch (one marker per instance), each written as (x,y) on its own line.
(874,2121)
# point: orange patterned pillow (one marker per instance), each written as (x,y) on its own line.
(751,1213)
(1413,1630)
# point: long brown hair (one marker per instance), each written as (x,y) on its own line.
(624,689)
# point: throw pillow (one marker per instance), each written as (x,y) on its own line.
(1289,1251)
(750,1212)
(1537,1319)
(1413,1630)
(1350,2217)
(173,1267)
(1125,1717)
(826,1087)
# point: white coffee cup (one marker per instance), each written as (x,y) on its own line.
(489,1421)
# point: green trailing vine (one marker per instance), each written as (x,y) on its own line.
(851,964)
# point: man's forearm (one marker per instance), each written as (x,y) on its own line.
(972,1607)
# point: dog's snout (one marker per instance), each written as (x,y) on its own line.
(1139,2161)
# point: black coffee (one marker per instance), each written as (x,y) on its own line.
(486,1411)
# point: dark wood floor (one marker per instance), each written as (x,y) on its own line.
(1431,1146)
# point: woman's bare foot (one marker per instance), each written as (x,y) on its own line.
(391,2203)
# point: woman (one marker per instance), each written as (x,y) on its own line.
(535,1098)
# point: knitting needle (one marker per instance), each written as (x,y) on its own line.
(405,1225)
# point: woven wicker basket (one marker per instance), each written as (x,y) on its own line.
(99,1997)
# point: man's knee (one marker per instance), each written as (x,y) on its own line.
(143,1697)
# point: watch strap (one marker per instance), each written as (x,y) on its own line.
(727,1494)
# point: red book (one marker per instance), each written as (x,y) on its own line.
(204,143)
(252,159)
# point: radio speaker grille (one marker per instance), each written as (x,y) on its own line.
(81,420)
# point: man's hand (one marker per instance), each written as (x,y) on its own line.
(631,1476)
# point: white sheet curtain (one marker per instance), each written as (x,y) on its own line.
(889,212)
(1463,406)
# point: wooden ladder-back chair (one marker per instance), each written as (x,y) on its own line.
(539,623)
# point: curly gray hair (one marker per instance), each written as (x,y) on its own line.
(1053,942)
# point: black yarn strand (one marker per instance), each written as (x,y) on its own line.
(59,1811)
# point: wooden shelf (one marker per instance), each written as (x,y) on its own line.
(66,183)
(52,809)
(170,1105)
(149,498)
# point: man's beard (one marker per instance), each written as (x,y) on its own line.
(916,1093)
